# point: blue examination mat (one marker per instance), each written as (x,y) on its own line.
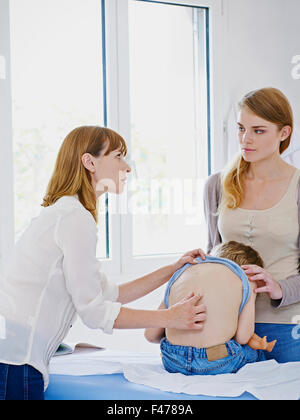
(114,387)
(95,374)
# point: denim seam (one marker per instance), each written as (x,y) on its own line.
(189,359)
(188,365)
(171,359)
(204,370)
(25,382)
(220,365)
(5,380)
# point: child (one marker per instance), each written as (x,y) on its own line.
(221,346)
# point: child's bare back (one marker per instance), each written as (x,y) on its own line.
(222,294)
(229,298)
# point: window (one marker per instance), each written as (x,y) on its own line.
(170,138)
(150,70)
(148,79)
(56,55)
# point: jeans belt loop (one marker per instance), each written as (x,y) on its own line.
(190,354)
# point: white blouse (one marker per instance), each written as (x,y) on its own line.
(52,275)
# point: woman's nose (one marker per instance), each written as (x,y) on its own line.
(128,168)
(246,138)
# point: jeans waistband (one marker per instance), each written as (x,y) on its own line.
(232,347)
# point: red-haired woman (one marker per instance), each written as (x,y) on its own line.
(54,272)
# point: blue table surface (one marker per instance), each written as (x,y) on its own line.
(115,387)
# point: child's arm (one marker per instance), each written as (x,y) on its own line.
(245,329)
(154,335)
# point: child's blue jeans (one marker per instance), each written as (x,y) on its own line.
(287,348)
(20,383)
(193,361)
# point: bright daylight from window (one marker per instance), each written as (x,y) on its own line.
(56,86)
(168,126)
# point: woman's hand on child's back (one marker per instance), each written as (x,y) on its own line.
(187,314)
(189,257)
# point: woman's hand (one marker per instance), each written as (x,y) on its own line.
(189,257)
(187,314)
(265,282)
(135,289)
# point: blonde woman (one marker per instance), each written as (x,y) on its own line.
(256,200)
(54,273)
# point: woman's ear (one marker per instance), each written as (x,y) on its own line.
(285,132)
(87,162)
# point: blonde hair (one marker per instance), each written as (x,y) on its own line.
(273,106)
(70,177)
(237,252)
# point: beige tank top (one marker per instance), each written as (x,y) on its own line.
(274,234)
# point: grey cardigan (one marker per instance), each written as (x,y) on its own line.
(212,197)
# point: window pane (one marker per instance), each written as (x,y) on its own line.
(56,51)
(169,137)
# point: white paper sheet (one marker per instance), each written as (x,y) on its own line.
(265,380)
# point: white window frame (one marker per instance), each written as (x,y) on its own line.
(119,115)
(6,155)
(121,263)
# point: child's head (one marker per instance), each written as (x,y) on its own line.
(237,252)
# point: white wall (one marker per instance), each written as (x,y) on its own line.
(261,38)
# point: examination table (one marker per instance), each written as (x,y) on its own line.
(99,376)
